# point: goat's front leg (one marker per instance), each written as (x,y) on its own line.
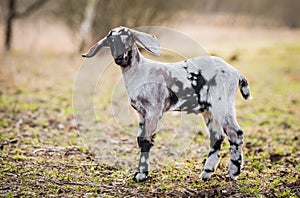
(145,137)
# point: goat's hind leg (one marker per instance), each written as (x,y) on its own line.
(235,138)
(216,139)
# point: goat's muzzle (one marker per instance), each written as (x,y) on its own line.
(124,60)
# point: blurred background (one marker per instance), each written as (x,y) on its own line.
(69,25)
(41,42)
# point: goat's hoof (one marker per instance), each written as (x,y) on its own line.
(140,177)
(205,175)
(233,176)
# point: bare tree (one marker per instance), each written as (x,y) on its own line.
(99,16)
(87,22)
(13,14)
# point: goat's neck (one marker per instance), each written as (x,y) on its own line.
(132,74)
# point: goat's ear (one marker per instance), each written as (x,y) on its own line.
(149,41)
(95,48)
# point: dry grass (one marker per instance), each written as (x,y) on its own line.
(42,153)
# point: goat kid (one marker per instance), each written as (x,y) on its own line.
(205,85)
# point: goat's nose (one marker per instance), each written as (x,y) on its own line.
(118,61)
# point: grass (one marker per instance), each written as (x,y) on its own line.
(42,153)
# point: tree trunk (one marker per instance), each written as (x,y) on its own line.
(13,14)
(87,22)
(9,23)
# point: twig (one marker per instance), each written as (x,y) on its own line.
(13,141)
(83,184)
(56,149)
(74,183)
(30,9)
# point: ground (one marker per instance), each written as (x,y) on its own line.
(42,153)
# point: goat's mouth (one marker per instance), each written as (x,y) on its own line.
(124,60)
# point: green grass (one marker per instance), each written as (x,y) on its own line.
(43,155)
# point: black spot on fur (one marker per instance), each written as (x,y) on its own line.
(234,144)
(141,125)
(239,132)
(144,144)
(243,83)
(211,152)
(190,96)
(197,82)
(186,94)
(127,61)
(200,81)
(237,163)
(209,170)
(171,100)
(217,145)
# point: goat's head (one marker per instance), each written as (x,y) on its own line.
(121,42)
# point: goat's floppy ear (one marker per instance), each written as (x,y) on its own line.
(95,48)
(149,41)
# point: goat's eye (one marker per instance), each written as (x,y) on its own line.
(110,39)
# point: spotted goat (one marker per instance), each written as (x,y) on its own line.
(205,85)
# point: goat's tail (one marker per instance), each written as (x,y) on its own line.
(244,88)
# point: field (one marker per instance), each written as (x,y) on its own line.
(44,153)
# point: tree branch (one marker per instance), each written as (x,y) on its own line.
(30,9)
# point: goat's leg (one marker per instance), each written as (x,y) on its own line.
(216,139)
(235,138)
(147,128)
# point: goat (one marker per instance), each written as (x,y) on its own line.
(205,85)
